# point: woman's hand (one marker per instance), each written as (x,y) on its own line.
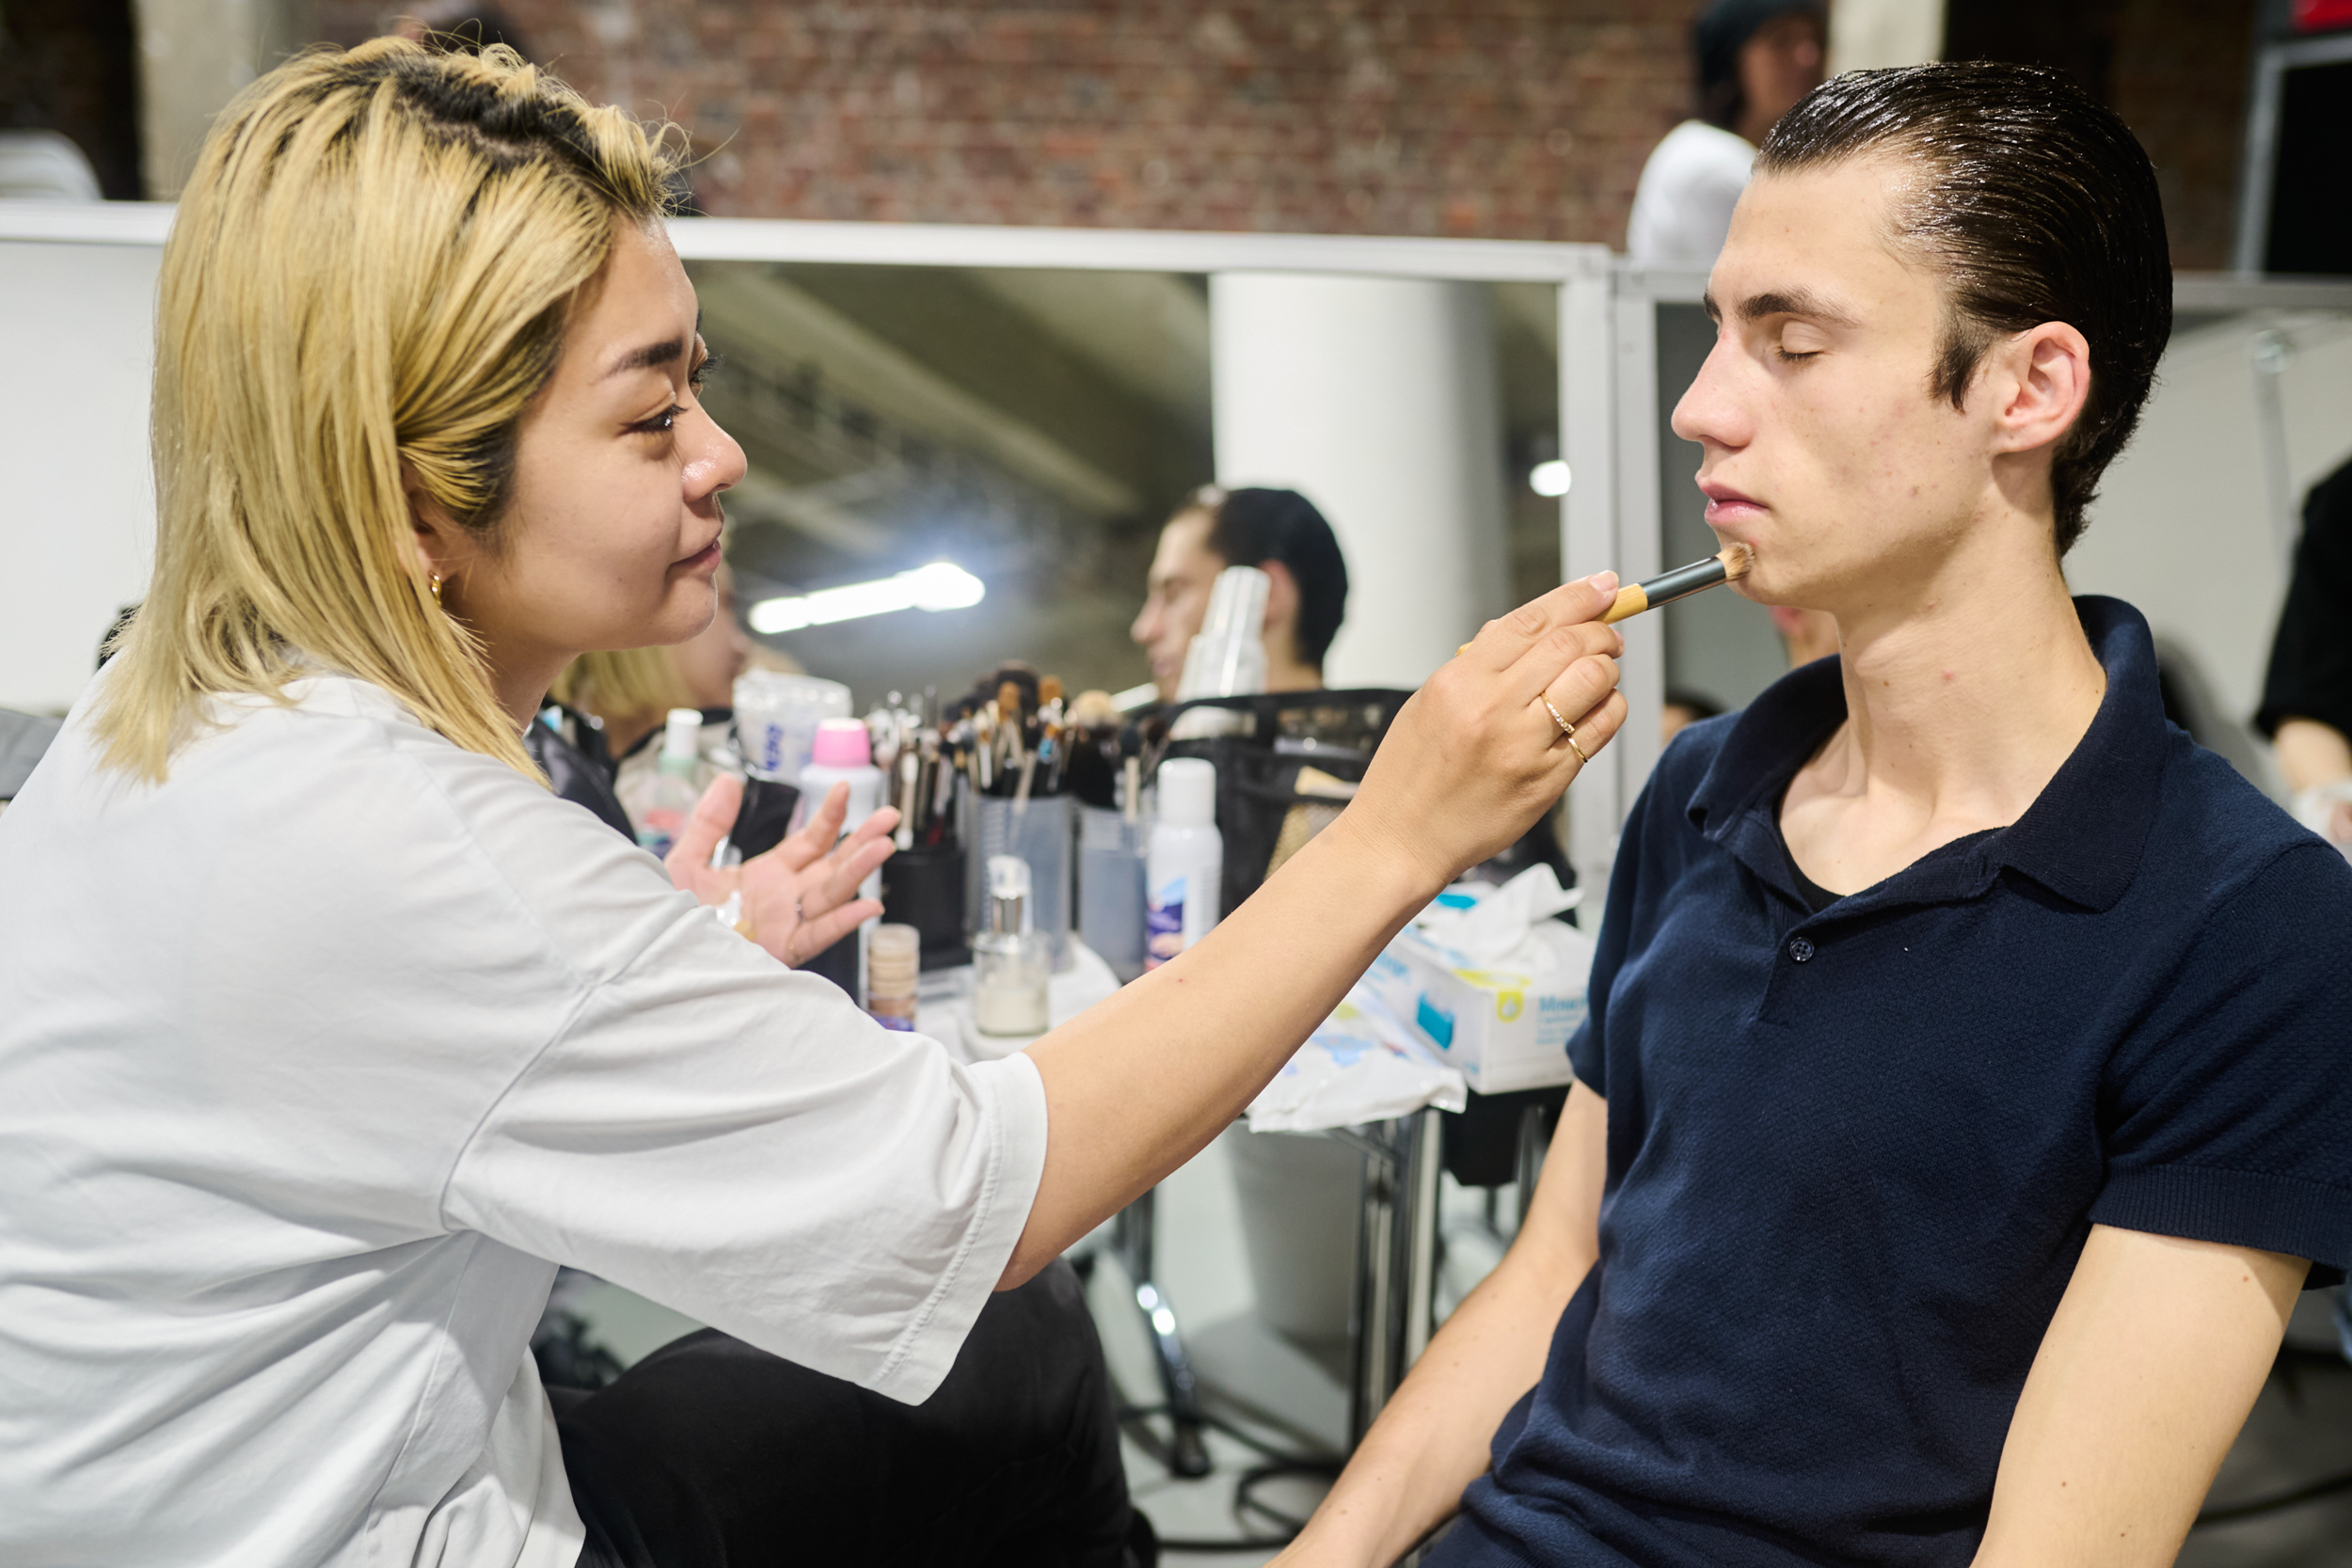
(800,897)
(1474,758)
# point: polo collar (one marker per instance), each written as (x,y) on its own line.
(2082,837)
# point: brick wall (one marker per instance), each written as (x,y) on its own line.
(1500,119)
(2180,83)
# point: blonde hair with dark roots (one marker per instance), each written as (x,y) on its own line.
(369,276)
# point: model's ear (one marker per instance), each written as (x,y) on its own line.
(2045,379)
(1281,602)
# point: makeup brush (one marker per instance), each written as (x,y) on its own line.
(1729,564)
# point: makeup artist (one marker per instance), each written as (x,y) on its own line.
(326,1033)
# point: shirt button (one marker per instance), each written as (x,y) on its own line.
(1800,949)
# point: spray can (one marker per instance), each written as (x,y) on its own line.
(1185,863)
(843,754)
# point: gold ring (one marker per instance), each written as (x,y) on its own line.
(1566,728)
(1577,750)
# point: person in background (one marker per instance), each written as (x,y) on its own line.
(1756,58)
(1807,634)
(1681,709)
(1279,532)
(611,704)
(2307,698)
(629,690)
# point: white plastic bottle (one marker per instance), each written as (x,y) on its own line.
(843,753)
(1185,863)
(661,808)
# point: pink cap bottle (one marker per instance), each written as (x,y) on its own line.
(842,743)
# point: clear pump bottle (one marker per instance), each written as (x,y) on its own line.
(1010,963)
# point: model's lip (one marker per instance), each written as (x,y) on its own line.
(707,556)
(1725,506)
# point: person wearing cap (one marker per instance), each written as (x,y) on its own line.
(1756,58)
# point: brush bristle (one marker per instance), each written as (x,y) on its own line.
(1737,558)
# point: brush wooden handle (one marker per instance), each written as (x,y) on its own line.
(1630,601)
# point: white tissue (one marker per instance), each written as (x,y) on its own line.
(1360,1065)
(1495,930)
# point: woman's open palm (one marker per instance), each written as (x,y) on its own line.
(798,898)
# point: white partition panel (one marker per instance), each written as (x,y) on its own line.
(77,505)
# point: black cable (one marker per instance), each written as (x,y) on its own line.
(1132,1418)
(2310,1492)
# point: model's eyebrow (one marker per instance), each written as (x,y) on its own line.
(1783,302)
(652,356)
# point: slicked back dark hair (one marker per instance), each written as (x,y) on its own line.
(2039,204)
(1252,526)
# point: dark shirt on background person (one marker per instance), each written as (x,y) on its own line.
(2310,660)
(2307,696)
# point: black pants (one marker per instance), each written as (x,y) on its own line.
(712,1455)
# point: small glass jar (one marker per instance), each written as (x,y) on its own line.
(1010,971)
(1011,964)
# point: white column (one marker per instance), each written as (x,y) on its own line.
(1376,399)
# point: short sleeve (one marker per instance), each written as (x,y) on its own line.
(2227,1114)
(743,1144)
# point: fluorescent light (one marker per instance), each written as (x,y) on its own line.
(940,585)
(1548,478)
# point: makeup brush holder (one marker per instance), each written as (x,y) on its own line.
(1110,888)
(923,887)
(1042,831)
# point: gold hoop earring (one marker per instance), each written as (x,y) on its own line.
(436,590)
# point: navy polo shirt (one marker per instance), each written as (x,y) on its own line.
(1854,1155)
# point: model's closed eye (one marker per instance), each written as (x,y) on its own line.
(1799,340)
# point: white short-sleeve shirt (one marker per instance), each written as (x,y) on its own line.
(317,1058)
(1682,204)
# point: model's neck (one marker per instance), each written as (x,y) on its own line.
(1288,674)
(1284,670)
(1968,684)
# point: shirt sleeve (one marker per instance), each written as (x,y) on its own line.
(2227,1115)
(743,1144)
(2310,658)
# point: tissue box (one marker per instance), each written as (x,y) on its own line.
(1501,1027)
